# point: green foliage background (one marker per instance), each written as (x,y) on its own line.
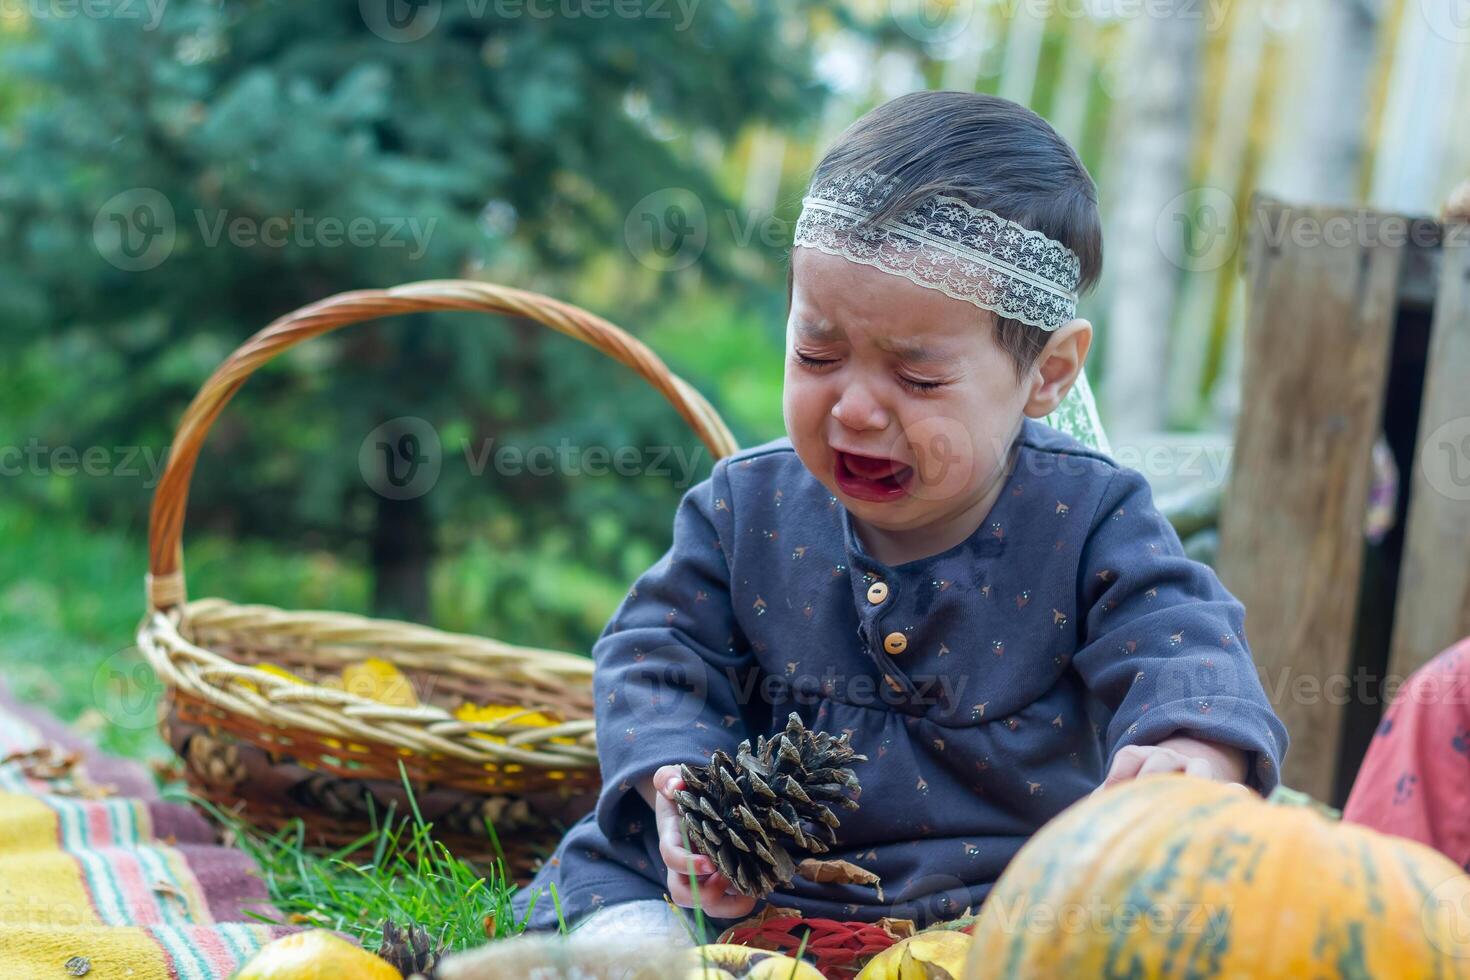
(526,142)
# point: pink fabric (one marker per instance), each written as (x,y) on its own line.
(1415,779)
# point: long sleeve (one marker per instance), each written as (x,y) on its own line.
(1164,642)
(672,662)
(1414,781)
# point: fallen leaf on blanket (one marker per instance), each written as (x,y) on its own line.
(839,873)
(168,771)
(79,966)
(170,889)
(312,918)
(44,762)
(79,786)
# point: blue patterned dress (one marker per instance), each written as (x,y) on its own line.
(989,685)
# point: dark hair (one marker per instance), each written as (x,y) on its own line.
(990,151)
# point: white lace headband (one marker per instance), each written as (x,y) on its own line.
(947,244)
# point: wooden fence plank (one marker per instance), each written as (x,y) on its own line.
(1433,605)
(1318,330)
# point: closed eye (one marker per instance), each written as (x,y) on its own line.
(815,363)
(913,385)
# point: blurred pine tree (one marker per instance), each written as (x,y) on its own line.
(172,174)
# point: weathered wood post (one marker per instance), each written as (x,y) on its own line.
(1335,351)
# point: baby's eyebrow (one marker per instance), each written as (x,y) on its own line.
(817,330)
(911,352)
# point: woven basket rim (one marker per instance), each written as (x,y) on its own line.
(261,700)
(282,703)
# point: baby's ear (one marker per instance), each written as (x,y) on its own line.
(1057,367)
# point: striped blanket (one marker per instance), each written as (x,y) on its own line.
(100,878)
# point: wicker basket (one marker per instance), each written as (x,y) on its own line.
(274,748)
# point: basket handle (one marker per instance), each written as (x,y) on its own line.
(165,583)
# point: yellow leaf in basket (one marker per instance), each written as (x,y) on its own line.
(495,712)
(274,671)
(378,680)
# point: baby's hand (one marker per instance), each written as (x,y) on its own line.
(717,896)
(1193,757)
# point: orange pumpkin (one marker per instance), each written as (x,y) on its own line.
(1174,876)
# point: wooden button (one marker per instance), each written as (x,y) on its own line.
(877,592)
(895,643)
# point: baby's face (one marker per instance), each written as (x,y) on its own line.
(897,397)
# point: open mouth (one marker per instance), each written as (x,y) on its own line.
(871,477)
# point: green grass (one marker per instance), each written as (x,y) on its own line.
(71,598)
(396,872)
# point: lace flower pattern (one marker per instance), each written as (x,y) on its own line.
(944,243)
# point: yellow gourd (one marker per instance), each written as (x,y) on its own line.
(728,961)
(938,954)
(315,955)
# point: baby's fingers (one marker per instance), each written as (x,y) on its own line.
(1201,768)
(725,903)
(1126,763)
(677,859)
(1164,760)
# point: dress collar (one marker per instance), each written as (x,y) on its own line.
(987,540)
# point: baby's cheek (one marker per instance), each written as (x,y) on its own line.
(945,455)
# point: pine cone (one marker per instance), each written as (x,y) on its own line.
(409,950)
(743,813)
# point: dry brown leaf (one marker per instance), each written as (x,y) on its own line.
(839,873)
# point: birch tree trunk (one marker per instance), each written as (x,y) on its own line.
(1149,165)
